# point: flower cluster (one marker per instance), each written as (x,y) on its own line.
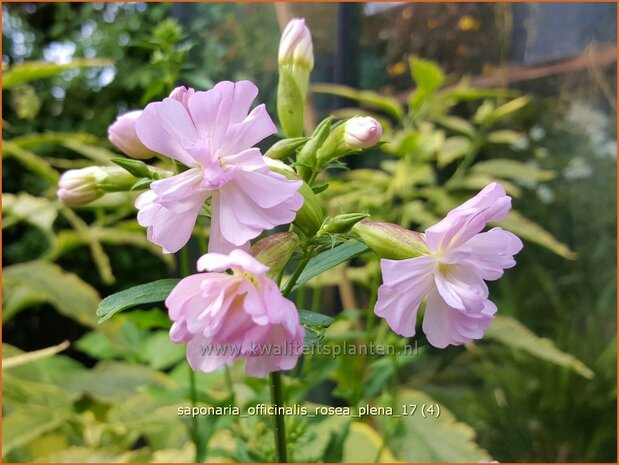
(243,315)
(210,136)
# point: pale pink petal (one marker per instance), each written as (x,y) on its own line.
(167,128)
(437,321)
(244,261)
(275,349)
(491,252)
(204,355)
(214,262)
(187,289)
(267,188)
(241,218)
(217,242)
(444,325)
(257,126)
(169,229)
(461,288)
(241,95)
(180,193)
(470,218)
(405,284)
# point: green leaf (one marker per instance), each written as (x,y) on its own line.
(389,105)
(37,211)
(334,451)
(36,282)
(533,232)
(33,141)
(310,318)
(453,148)
(29,357)
(27,423)
(95,153)
(135,167)
(456,124)
(514,334)
(438,438)
(31,160)
(156,291)
(505,136)
(330,258)
(504,110)
(427,74)
(33,70)
(112,381)
(160,352)
(512,169)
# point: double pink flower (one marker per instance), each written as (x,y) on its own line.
(242,315)
(213,134)
(452,275)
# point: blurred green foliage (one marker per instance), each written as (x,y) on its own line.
(114,395)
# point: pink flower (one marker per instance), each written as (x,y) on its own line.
(212,134)
(243,315)
(452,275)
(122,134)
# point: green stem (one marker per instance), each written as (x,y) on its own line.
(183,258)
(469,158)
(313,177)
(277,397)
(293,279)
(280,427)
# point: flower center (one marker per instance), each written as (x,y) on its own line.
(251,278)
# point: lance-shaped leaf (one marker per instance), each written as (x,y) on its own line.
(156,291)
(512,333)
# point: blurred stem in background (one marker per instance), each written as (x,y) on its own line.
(183,257)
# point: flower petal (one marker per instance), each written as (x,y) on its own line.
(470,218)
(490,253)
(167,128)
(405,284)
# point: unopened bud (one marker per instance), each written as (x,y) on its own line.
(83,186)
(296,60)
(275,250)
(341,224)
(352,136)
(306,159)
(295,46)
(285,148)
(122,134)
(362,132)
(391,241)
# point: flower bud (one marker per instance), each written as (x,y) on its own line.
(309,217)
(354,135)
(307,155)
(295,46)
(285,148)
(391,241)
(275,250)
(79,187)
(296,60)
(341,224)
(83,186)
(362,132)
(122,134)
